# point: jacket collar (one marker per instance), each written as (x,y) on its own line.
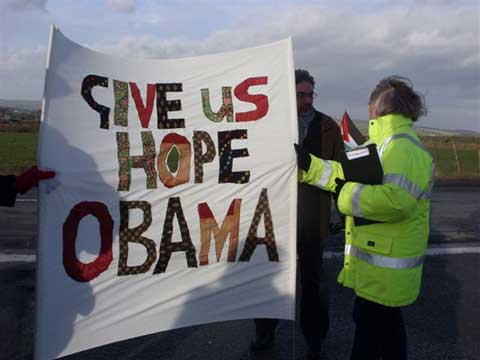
(318,121)
(384,126)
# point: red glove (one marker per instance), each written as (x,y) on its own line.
(30,178)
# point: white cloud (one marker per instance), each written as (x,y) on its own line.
(22,73)
(325,39)
(16,59)
(122,5)
(346,48)
(23,5)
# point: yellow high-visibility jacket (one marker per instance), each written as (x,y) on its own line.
(384,260)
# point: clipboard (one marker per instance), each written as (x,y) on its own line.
(362,165)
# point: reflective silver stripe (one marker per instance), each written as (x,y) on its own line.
(383,261)
(356,201)
(327,172)
(407,184)
(428,192)
(400,136)
(404,183)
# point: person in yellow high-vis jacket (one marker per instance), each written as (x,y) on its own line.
(383,260)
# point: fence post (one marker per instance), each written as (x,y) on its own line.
(478,151)
(455,154)
(436,158)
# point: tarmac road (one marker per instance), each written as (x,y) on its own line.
(443,324)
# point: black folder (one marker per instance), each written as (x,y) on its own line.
(362,165)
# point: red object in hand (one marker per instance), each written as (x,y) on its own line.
(30,178)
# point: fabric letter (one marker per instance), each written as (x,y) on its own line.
(76,269)
(199,138)
(127,162)
(252,239)
(134,235)
(88,83)
(183,147)
(167,246)
(120,115)
(226,110)
(208,227)
(144,112)
(227,155)
(164,106)
(260,100)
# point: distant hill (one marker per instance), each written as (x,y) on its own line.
(424,131)
(19,112)
(34,105)
(26,105)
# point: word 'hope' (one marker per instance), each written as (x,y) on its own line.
(178,150)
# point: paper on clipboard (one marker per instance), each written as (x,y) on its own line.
(354,154)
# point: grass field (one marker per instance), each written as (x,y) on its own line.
(457,157)
(18,151)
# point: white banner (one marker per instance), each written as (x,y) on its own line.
(175,196)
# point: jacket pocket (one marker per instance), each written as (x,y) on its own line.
(376,243)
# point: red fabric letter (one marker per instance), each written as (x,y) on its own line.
(260,100)
(144,112)
(76,269)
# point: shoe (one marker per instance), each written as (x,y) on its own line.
(313,355)
(263,342)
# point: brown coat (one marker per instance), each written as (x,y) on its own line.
(323,140)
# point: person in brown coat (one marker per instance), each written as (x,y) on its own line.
(320,135)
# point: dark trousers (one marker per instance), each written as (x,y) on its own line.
(314,314)
(379,332)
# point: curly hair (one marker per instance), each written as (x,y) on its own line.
(303,75)
(395,95)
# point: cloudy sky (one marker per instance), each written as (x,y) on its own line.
(347,45)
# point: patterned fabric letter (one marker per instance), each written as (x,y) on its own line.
(134,235)
(88,83)
(164,106)
(120,91)
(225,110)
(252,239)
(183,147)
(127,162)
(167,247)
(227,155)
(209,227)
(199,138)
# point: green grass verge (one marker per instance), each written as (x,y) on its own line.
(445,162)
(18,151)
